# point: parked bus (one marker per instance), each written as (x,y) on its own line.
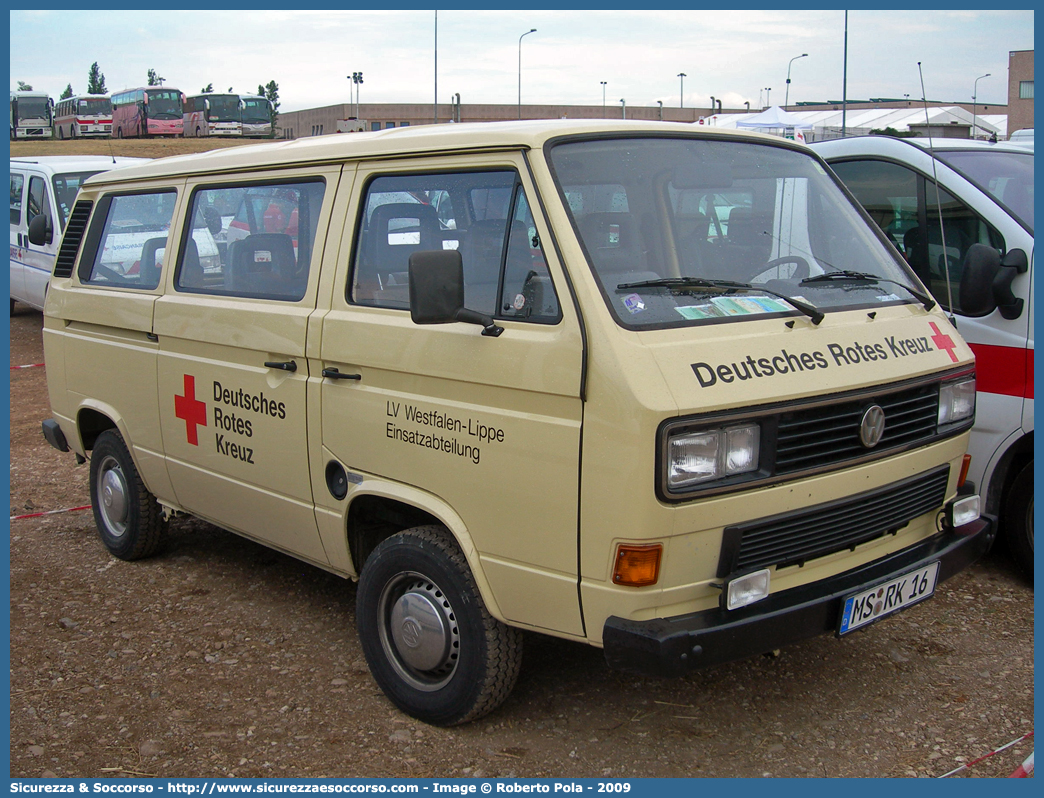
(211,114)
(32,115)
(87,116)
(147,111)
(257,115)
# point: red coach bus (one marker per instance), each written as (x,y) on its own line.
(147,111)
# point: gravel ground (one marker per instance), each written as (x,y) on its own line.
(221,658)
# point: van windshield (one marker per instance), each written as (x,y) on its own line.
(1006,176)
(685,231)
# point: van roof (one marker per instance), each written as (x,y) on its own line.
(418,139)
(57,164)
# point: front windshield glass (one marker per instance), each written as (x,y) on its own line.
(99,106)
(671,212)
(223,108)
(33,108)
(65,188)
(164,104)
(256,111)
(1006,176)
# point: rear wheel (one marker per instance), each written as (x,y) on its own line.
(431,645)
(129,519)
(1018,520)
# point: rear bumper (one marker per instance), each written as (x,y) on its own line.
(674,646)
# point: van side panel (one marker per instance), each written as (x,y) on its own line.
(491,426)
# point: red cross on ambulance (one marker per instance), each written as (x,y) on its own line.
(191,410)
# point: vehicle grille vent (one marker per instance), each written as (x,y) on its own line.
(63,264)
(823,436)
(799,537)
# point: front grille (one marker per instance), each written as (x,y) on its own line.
(823,436)
(816,532)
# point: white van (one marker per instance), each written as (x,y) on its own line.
(599,380)
(987,200)
(45,186)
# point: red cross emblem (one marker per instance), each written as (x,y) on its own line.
(943,341)
(190,409)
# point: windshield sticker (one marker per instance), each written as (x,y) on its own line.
(633,303)
(745,305)
(696,312)
(888,298)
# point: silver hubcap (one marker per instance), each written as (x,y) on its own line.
(419,631)
(112,497)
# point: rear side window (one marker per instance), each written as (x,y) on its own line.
(17,184)
(251,240)
(484,215)
(127,240)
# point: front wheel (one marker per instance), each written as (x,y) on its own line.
(429,640)
(129,519)
(1018,520)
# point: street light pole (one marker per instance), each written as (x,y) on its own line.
(975,94)
(681,96)
(786,99)
(520,38)
(623,105)
(768,96)
(661,109)
(603,97)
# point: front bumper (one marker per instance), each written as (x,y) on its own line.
(674,646)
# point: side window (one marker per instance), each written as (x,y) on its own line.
(127,240)
(37,203)
(483,215)
(17,184)
(908,208)
(251,240)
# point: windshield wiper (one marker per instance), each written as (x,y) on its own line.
(849,276)
(682,283)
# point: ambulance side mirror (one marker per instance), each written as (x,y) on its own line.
(437,291)
(986,282)
(41,230)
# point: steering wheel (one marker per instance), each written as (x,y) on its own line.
(801,272)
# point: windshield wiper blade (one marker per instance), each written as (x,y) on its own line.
(848,276)
(726,285)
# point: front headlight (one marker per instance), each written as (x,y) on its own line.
(956,401)
(702,456)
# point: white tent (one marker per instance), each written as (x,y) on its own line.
(774,117)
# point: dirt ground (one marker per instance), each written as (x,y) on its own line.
(221,658)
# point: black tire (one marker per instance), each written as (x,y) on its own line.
(431,645)
(1018,520)
(129,519)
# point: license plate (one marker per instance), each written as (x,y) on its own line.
(892,596)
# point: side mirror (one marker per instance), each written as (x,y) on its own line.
(41,230)
(986,282)
(437,291)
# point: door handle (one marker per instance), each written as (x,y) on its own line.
(334,374)
(273,364)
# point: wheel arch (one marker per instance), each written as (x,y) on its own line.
(1016,457)
(381,509)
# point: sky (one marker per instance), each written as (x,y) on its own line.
(736,56)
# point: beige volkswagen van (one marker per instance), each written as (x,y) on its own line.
(645,386)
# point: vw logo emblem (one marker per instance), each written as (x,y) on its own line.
(872,427)
(411,632)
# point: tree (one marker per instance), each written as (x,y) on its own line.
(271,92)
(208,88)
(67,93)
(96,81)
(23,86)
(155,79)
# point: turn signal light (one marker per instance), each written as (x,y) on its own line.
(965,465)
(637,566)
